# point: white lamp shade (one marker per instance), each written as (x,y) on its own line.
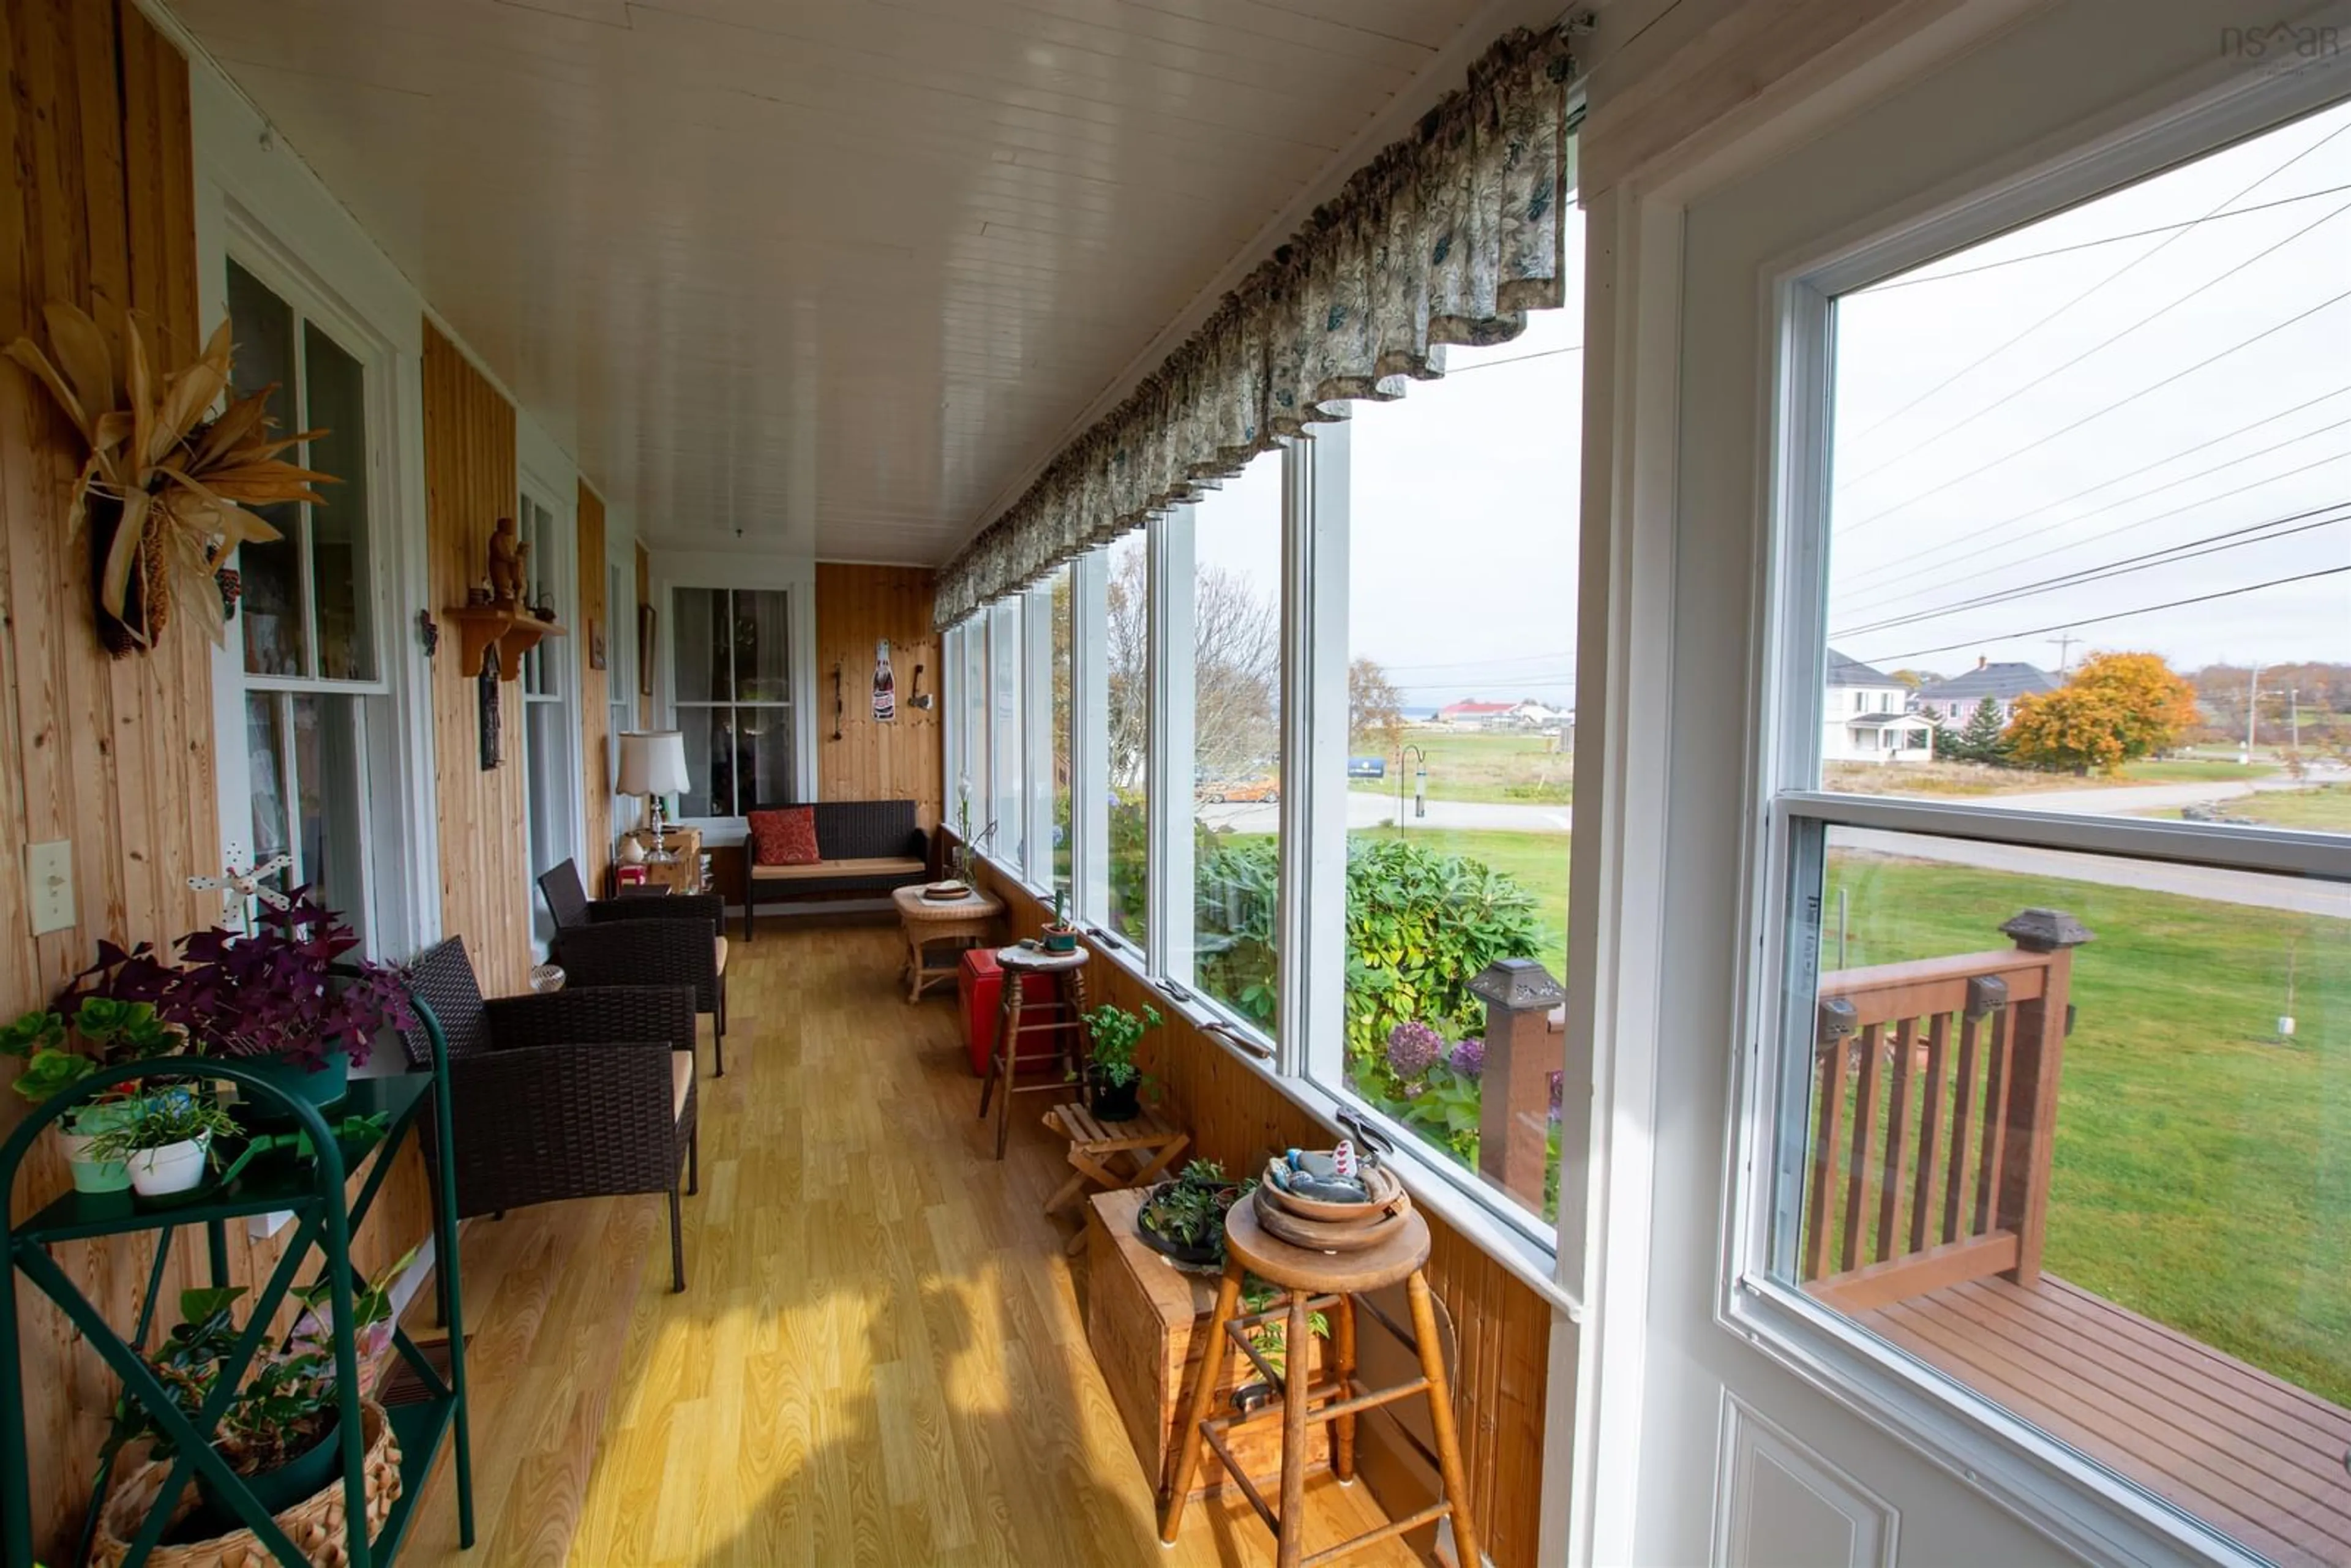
(653,762)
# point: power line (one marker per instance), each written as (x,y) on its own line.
(2006,398)
(2098,414)
(2118,615)
(1889,287)
(1513,359)
(2170,555)
(2003,348)
(1925,562)
(2143,522)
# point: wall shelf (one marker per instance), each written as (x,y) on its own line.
(513,630)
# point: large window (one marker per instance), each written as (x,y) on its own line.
(733,699)
(1007,821)
(1231,597)
(306,623)
(1055,780)
(1460,694)
(2065,928)
(1126,638)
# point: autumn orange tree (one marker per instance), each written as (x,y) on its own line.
(2117,708)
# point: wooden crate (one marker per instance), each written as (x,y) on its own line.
(1143,1318)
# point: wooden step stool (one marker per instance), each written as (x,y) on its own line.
(1062,1021)
(1311,1283)
(1147,1144)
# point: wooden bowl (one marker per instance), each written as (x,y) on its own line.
(1388,1201)
(1318,1235)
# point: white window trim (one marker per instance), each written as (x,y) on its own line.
(2044,1482)
(795,579)
(1090,747)
(397,916)
(1037,736)
(1168,868)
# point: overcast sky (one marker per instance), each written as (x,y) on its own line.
(2060,399)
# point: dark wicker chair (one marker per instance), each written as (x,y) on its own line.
(582,1092)
(645,941)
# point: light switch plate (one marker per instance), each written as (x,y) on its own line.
(48,876)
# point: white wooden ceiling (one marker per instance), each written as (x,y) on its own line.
(838,273)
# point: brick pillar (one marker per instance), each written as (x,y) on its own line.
(1522,1052)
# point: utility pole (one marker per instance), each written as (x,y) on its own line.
(2253,711)
(2064,652)
(2293,717)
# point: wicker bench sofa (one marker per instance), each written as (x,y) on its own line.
(867,847)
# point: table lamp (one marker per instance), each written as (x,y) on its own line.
(652,764)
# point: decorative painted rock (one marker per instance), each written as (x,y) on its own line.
(1330,1189)
(1314,1163)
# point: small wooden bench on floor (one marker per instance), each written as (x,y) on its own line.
(1149,1144)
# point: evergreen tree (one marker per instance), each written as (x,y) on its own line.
(1981,739)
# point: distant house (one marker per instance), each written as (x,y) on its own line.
(1476,716)
(1954,702)
(1865,717)
(1536,715)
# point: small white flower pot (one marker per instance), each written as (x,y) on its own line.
(173,1168)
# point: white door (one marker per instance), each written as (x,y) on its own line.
(1820,1334)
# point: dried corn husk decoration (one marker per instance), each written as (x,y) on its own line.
(181,481)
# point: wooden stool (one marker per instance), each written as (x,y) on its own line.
(1149,1144)
(1064,1025)
(1311,1283)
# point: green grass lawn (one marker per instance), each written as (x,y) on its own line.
(1467,766)
(2203,1173)
(2325,809)
(2194,771)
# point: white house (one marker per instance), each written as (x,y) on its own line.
(1865,717)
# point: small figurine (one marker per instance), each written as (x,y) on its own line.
(508,558)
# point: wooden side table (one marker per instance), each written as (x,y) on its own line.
(683,874)
(1146,1145)
(965,922)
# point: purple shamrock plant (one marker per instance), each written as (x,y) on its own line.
(273,993)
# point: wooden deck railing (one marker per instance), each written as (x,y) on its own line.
(1935,1111)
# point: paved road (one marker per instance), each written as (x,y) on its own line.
(2298,895)
(1366,809)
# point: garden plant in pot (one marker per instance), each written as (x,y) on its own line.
(168,1145)
(1184,1218)
(281,1430)
(1061,935)
(271,1000)
(1113,1082)
(63,1045)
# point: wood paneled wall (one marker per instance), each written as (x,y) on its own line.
(595,687)
(1503,1328)
(469,477)
(857,606)
(98,210)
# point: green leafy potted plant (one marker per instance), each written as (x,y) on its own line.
(1184,1218)
(1061,935)
(167,1143)
(1115,1083)
(281,1431)
(84,1032)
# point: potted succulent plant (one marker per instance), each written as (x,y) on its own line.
(89,1029)
(1061,935)
(268,998)
(281,1431)
(168,1143)
(1184,1218)
(1115,1083)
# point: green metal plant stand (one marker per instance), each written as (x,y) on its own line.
(313,1190)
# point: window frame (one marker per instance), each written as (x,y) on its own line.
(2042,1480)
(793,706)
(383,712)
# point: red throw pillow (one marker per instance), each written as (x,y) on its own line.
(784,838)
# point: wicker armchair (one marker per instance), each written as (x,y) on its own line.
(575,1093)
(668,941)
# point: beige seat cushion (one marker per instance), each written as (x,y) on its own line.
(882,866)
(722,956)
(681,1082)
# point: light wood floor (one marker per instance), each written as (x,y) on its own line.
(881,1356)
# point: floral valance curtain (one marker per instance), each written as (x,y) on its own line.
(1449,235)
